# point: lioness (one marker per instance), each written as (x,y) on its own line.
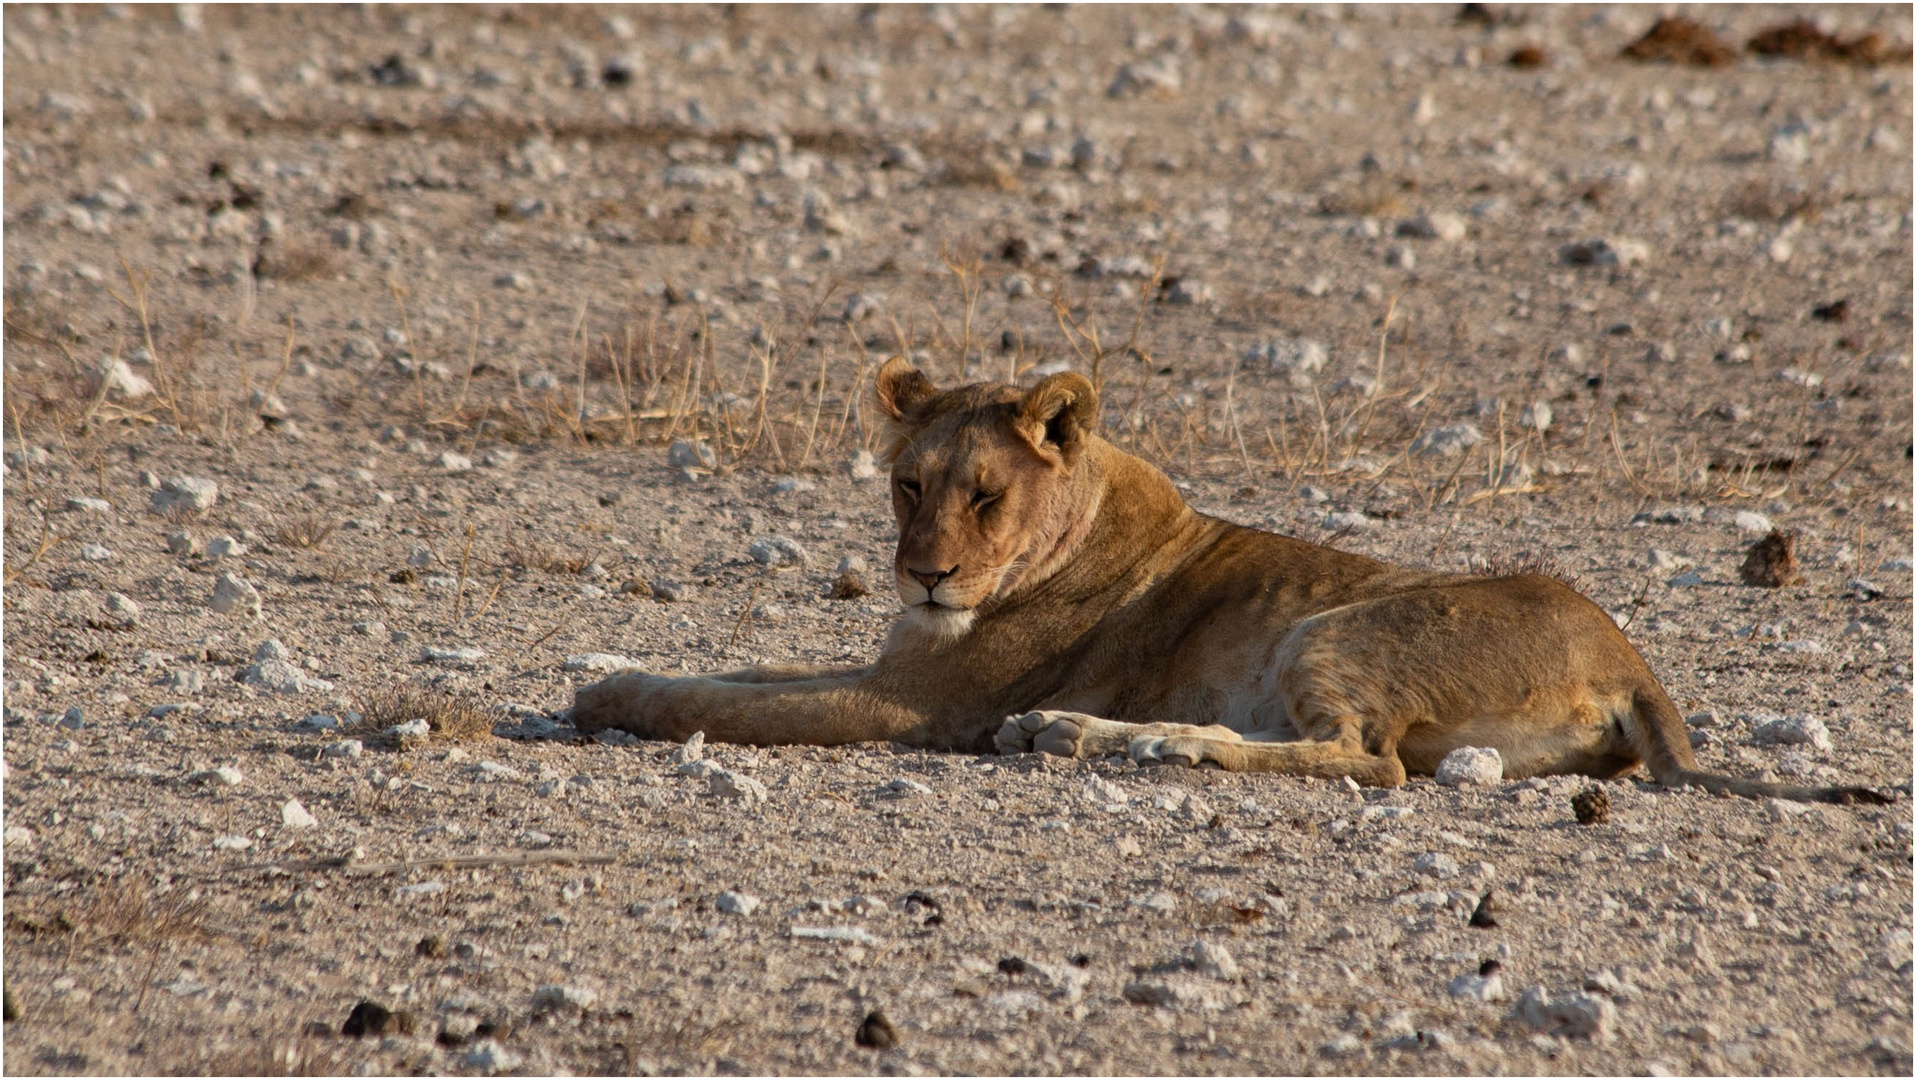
(1051,578)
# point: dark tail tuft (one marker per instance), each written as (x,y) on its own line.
(1658,736)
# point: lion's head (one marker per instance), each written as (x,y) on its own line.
(985,483)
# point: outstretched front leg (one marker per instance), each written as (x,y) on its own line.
(765,707)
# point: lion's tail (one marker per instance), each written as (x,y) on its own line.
(1657,733)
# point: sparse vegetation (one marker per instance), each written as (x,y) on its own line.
(306,530)
(449,717)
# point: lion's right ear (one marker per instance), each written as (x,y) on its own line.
(902,390)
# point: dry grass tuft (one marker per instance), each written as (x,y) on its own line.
(117,912)
(294,1054)
(529,554)
(1375,196)
(296,260)
(448,717)
(308,530)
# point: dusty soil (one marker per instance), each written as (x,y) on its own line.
(429,293)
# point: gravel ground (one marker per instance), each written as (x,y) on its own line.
(368,366)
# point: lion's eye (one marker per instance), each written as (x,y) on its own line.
(909,488)
(981,499)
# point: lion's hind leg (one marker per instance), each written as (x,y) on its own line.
(1080,735)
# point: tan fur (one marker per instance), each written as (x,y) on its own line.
(1051,578)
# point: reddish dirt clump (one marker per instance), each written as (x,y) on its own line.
(1680,41)
(1803,40)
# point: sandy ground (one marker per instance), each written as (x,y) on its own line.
(429,294)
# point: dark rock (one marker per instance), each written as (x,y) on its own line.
(1771,562)
(876,1032)
(372,1018)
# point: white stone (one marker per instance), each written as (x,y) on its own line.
(1479,988)
(1536,416)
(282,676)
(294,815)
(235,594)
(1471,765)
(862,466)
(118,379)
(96,553)
(1604,252)
(777,551)
(1434,864)
(344,748)
(1750,521)
(488,1056)
(1435,226)
(686,454)
(185,493)
(558,996)
(1214,960)
(737,903)
(1295,358)
(224,547)
(727,784)
(416,728)
(467,654)
(862,306)
(1447,441)
(1576,1015)
(693,749)
(455,463)
(1348,521)
(1156,77)
(1802,730)
(225,775)
(598,661)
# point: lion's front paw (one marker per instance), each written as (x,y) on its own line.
(618,701)
(1045,732)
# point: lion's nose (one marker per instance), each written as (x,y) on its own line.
(930,578)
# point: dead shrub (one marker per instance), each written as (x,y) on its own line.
(449,717)
(529,554)
(308,530)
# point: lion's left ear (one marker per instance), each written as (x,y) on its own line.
(1057,415)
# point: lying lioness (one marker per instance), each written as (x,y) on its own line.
(1051,578)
